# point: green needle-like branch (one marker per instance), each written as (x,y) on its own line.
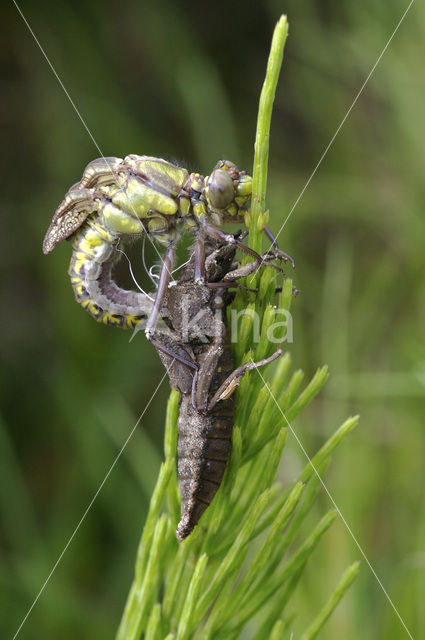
(343,585)
(262,139)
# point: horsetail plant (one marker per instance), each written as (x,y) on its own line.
(233,576)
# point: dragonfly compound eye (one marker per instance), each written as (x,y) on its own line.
(220,189)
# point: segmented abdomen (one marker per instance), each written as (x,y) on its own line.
(204,443)
(93,257)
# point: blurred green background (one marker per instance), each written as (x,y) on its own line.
(181,80)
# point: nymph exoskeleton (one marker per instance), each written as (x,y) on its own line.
(119,199)
(198,357)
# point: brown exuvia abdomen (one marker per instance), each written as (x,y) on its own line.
(203,450)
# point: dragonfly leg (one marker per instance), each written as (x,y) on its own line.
(238,273)
(232,381)
(243,272)
(199,258)
(278,252)
(151,325)
(164,281)
(173,354)
(177,358)
(230,285)
(218,234)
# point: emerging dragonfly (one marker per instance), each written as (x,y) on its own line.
(117,199)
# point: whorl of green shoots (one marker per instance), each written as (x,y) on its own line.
(243,561)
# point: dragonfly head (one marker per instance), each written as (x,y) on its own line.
(228,191)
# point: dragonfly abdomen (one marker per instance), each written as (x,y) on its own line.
(94,254)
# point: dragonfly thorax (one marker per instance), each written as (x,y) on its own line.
(142,194)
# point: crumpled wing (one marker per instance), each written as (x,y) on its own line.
(80,201)
(69,216)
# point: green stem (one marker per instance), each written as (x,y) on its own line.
(262,137)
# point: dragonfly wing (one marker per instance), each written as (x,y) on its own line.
(69,216)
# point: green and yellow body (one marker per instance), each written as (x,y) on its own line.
(90,270)
(120,199)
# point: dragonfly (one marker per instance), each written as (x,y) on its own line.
(119,199)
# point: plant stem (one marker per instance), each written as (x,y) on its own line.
(261,151)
